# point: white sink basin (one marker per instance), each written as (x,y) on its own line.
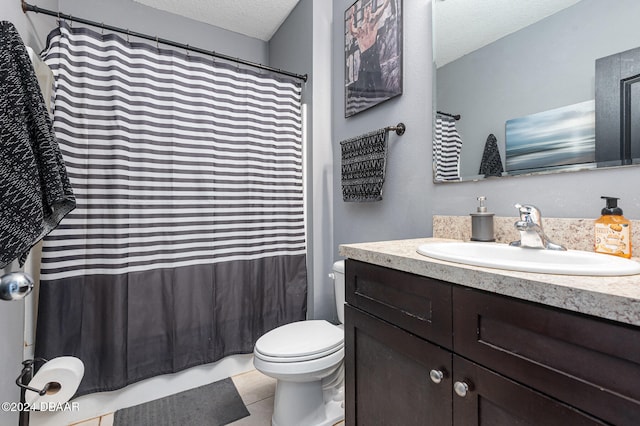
(503,256)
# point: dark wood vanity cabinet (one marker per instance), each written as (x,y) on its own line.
(425,352)
(388,375)
(398,332)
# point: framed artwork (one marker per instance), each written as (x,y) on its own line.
(373,53)
(563,138)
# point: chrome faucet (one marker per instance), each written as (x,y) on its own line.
(530,227)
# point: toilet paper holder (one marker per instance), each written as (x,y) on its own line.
(22,381)
(27,374)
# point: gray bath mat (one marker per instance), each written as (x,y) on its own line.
(211,405)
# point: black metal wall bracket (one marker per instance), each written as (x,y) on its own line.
(399,128)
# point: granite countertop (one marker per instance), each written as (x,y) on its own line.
(614,298)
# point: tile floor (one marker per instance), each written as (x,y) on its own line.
(256,391)
(106,420)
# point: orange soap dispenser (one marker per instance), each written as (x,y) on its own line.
(613,231)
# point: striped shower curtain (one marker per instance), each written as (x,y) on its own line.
(188,240)
(447,147)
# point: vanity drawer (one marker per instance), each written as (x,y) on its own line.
(590,363)
(417,304)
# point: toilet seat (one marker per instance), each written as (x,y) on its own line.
(300,341)
(311,357)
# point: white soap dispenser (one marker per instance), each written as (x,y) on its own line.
(482,223)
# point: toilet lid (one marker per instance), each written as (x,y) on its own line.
(301,339)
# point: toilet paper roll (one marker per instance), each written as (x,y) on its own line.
(63,374)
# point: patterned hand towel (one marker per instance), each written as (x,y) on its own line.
(363,166)
(35,193)
(491,164)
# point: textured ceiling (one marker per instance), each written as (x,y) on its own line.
(255,18)
(462,26)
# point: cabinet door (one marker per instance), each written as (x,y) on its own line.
(589,363)
(492,399)
(388,375)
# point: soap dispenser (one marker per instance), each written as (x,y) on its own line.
(482,223)
(612,230)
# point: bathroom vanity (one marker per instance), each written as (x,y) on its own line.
(431,342)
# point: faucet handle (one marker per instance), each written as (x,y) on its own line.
(529,213)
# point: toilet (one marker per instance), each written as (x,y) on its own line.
(306,359)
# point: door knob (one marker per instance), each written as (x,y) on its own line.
(461,388)
(436,376)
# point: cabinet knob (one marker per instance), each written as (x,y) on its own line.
(461,388)
(436,376)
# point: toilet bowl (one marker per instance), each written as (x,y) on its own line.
(306,359)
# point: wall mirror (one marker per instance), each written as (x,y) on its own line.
(529,69)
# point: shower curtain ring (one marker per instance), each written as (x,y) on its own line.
(157,43)
(128,35)
(102,28)
(187,50)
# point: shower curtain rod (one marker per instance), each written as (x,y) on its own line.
(31,8)
(454,116)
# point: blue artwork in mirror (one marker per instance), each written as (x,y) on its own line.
(561,138)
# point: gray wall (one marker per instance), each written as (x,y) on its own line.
(571,195)
(143,19)
(301,45)
(405,211)
(12,316)
(546,65)
(33,28)
(291,49)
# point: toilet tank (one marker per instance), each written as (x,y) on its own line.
(339,286)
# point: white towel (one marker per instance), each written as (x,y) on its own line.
(44,75)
